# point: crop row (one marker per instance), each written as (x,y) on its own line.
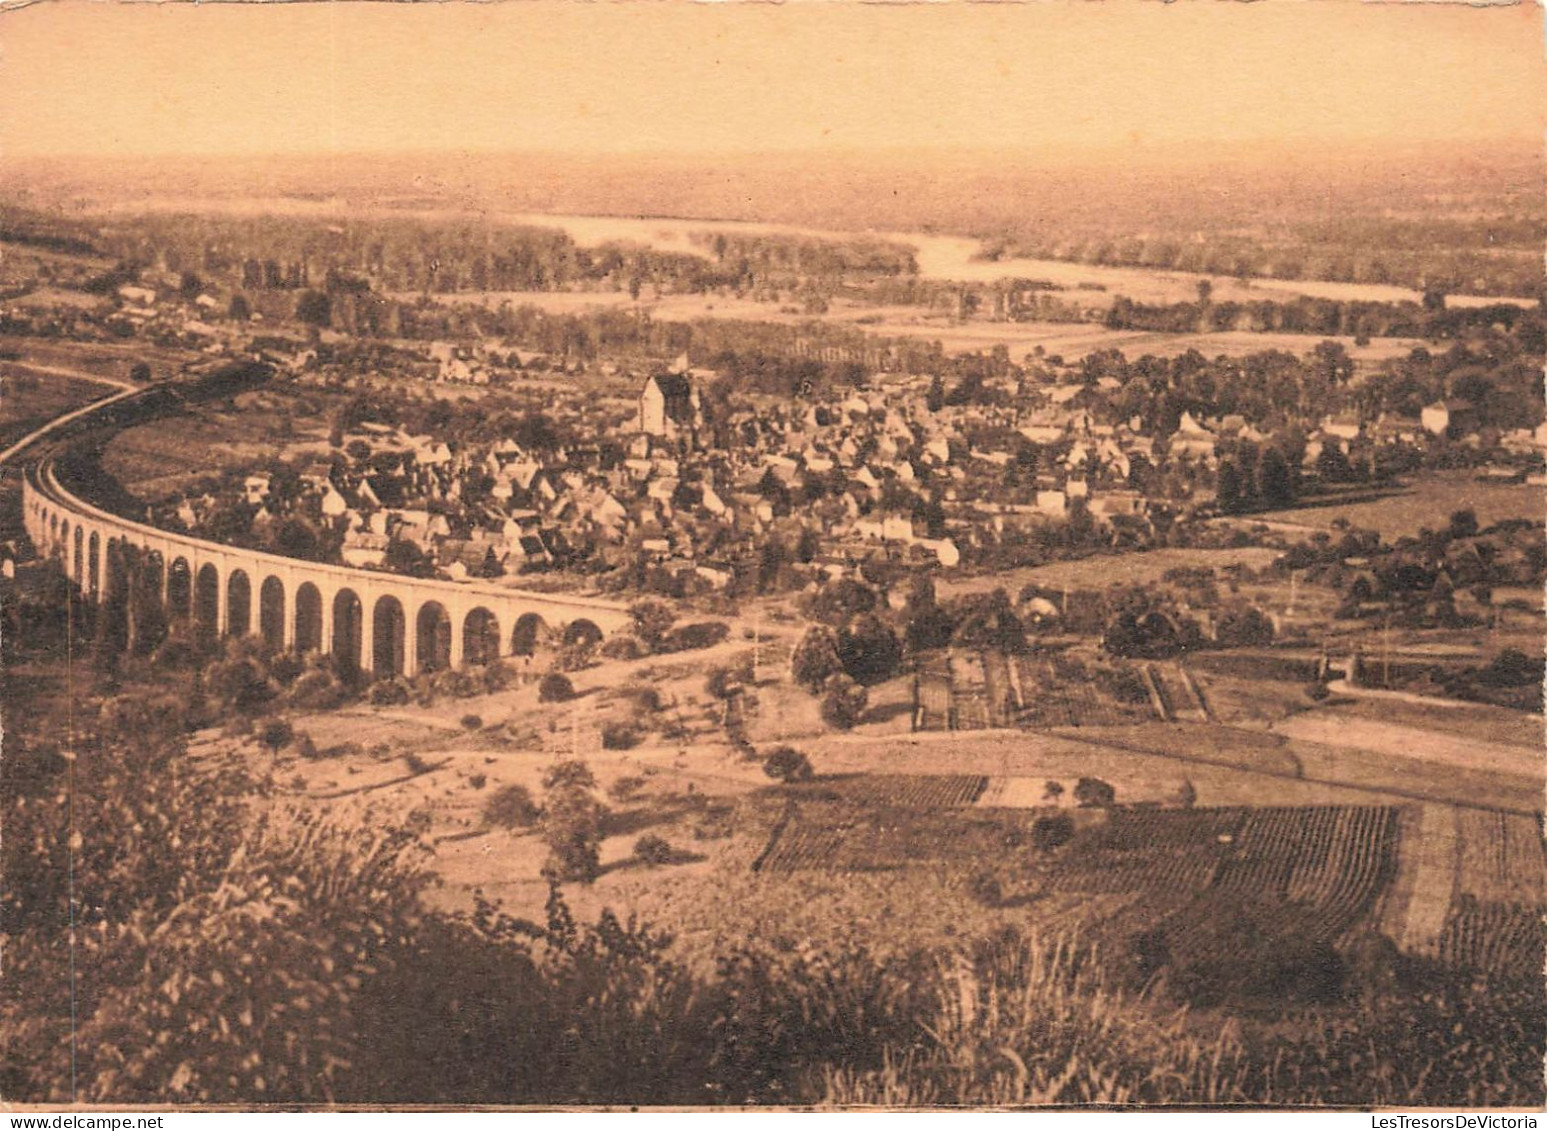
(1500,857)
(1494,938)
(914,791)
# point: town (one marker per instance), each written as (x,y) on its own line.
(1023,608)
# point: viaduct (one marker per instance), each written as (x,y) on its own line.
(382,623)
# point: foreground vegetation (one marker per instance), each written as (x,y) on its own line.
(217,946)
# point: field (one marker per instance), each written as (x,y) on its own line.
(1105,571)
(29,398)
(1427,502)
(163,455)
(1326,871)
(964,689)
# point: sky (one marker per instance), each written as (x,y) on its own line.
(629,76)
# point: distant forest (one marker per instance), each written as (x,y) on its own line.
(1471,221)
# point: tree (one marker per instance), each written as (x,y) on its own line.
(843,702)
(815,658)
(1275,484)
(511,807)
(1244,628)
(139,373)
(555,688)
(652,621)
(1463,523)
(1228,487)
(571,823)
(934,400)
(869,649)
(786,764)
(407,558)
(239,309)
(837,602)
(314,308)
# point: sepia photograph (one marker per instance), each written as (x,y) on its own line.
(823,555)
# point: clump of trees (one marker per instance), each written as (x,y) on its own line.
(571,822)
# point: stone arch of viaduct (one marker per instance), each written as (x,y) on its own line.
(384,623)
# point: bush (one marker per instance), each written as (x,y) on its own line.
(619,736)
(315,690)
(389,693)
(625,789)
(275,735)
(652,621)
(416,765)
(457,684)
(1093,793)
(786,764)
(510,807)
(555,688)
(623,647)
(306,748)
(653,850)
(984,888)
(690,637)
(496,676)
(478,781)
(1048,833)
(844,702)
(1317,691)
(647,700)
(472,722)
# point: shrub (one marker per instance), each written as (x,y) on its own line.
(625,789)
(690,637)
(647,699)
(1093,793)
(652,621)
(478,781)
(510,807)
(555,688)
(496,676)
(1317,691)
(623,647)
(315,690)
(472,722)
(619,736)
(653,850)
(389,693)
(1048,833)
(569,774)
(306,748)
(457,684)
(786,764)
(416,765)
(275,735)
(984,888)
(844,702)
